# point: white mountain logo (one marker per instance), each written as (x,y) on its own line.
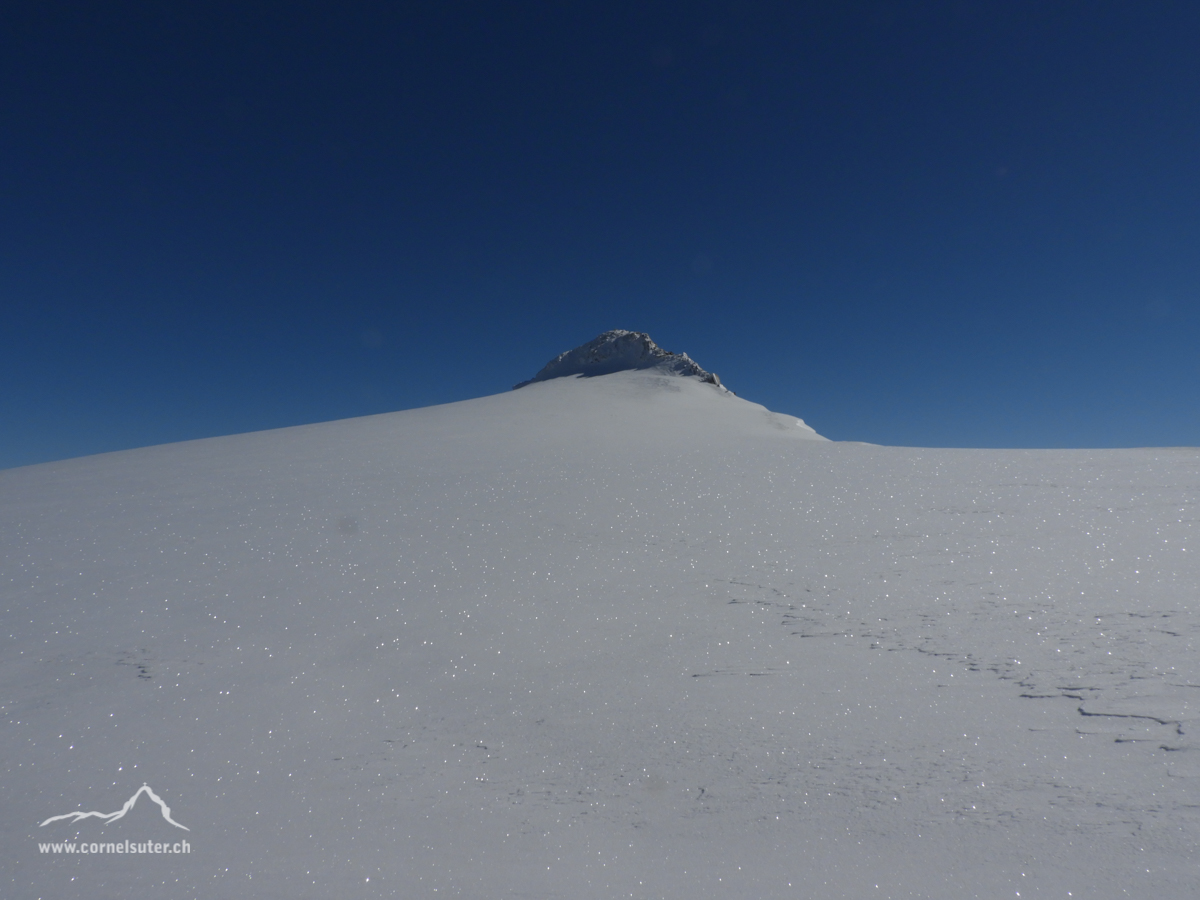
(113,816)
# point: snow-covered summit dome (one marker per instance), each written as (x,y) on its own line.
(618,351)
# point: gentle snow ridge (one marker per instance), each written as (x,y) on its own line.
(618,351)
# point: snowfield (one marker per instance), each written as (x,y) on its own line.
(615,636)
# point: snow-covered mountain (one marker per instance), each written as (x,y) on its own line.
(623,635)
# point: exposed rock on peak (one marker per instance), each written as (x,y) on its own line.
(618,351)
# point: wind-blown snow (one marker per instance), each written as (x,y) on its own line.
(599,637)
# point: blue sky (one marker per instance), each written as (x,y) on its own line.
(937,223)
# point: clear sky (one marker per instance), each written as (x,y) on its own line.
(924,223)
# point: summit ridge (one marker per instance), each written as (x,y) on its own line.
(618,351)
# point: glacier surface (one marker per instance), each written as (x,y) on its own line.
(618,636)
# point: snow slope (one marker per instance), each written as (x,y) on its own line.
(625,635)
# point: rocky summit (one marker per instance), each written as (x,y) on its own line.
(618,351)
